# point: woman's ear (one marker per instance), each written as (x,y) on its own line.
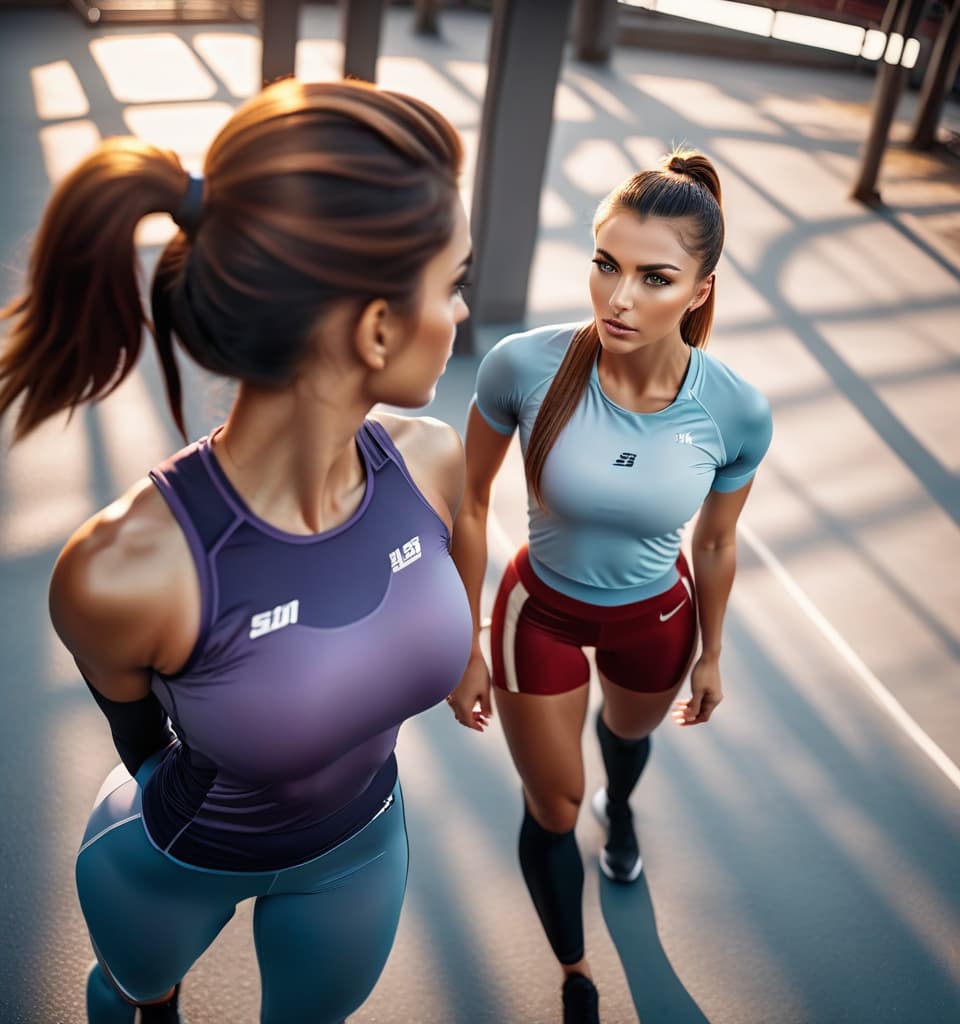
(702,293)
(374,334)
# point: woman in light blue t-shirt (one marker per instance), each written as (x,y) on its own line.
(628,429)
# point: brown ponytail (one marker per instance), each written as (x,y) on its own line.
(77,331)
(559,403)
(686,186)
(695,326)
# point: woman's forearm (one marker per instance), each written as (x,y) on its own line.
(714,567)
(469,550)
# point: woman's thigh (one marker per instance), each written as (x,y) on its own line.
(642,662)
(631,714)
(149,917)
(323,934)
(543,734)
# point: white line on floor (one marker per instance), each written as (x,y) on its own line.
(871,683)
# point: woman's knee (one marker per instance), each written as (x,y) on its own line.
(633,715)
(556,812)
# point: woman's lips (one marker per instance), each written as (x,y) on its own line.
(618,328)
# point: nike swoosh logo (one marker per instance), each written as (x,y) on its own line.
(670,615)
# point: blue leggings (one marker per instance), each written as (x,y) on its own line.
(323,929)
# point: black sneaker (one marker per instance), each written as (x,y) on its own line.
(620,858)
(162,1013)
(581,1002)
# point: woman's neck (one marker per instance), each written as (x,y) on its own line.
(648,379)
(293,458)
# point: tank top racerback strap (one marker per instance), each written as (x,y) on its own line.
(376,445)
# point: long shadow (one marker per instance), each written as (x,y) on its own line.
(26,776)
(657,992)
(820,917)
(942,486)
(893,217)
(850,535)
(437,900)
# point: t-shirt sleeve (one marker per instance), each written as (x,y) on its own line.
(747,434)
(499,391)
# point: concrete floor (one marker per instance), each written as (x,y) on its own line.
(801,852)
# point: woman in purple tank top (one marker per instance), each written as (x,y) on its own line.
(258,615)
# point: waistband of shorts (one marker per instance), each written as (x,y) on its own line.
(584,610)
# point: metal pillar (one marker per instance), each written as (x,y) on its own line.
(903,17)
(934,88)
(279,29)
(527,40)
(360,24)
(425,19)
(595,30)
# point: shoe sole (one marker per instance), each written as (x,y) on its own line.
(599,806)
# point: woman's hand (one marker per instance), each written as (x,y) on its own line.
(470,701)
(705,693)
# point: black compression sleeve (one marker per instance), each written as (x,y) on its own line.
(139,727)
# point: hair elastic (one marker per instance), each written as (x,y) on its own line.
(188,214)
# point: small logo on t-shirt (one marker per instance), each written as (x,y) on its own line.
(683,438)
(625,459)
(274,619)
(400,558)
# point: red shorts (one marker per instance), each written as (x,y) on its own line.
(537,635)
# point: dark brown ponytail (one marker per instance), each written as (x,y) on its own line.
(687,186)
(695,326)
(76,332)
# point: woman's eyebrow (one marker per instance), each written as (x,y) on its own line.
(642,267)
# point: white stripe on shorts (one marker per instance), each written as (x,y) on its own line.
(515,602)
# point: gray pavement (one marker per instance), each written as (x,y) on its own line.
(802,851)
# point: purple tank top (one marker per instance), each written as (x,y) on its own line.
(312,652)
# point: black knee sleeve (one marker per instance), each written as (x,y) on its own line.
(623,759)
(553,871)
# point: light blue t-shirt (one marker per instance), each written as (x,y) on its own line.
(622,485)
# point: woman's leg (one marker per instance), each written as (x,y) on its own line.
(543,734)
(641,666)
(324,931)
(149,918)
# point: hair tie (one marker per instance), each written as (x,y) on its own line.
(188,214)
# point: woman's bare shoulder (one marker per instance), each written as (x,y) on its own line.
(122,583)
(433,453)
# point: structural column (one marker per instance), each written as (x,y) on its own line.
(360,24)
(942,62)
(279,29)
(527,39)
(595,30)
(902,17)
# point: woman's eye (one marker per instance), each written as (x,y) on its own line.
(604,266)
(657,279)
(460,286)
